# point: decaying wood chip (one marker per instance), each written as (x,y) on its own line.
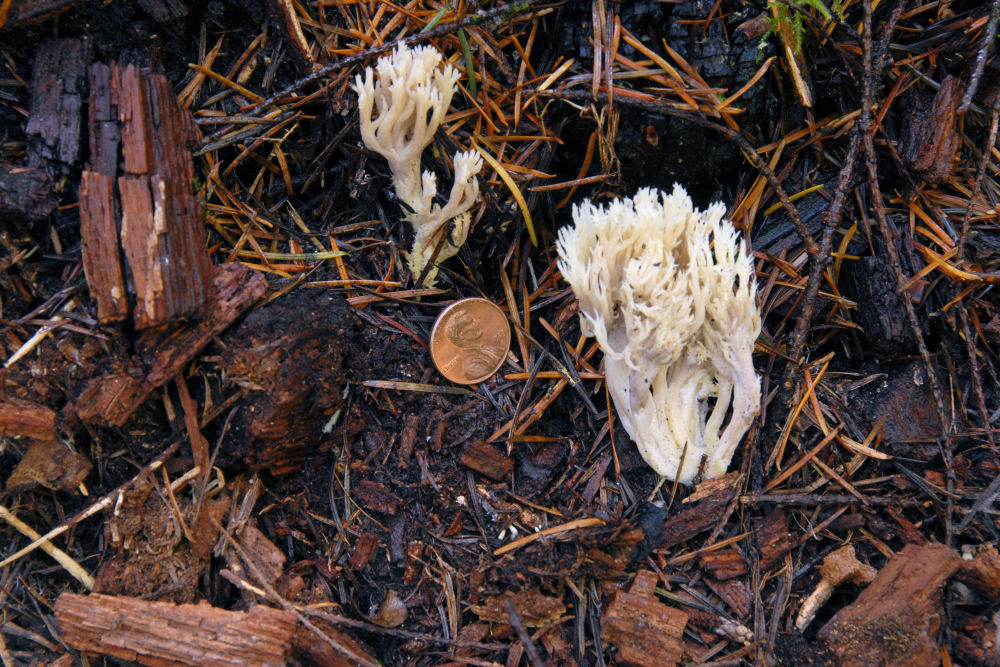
(645,631)
(486,459)
(51,464)
(932,138)
(772,537)
(289,358)
(364,549)
(711,498)
(534,608)
(161,633)
(24,419)
(268,562)
(377,497)
(724,563)
(897,618)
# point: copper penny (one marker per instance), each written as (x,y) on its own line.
(470,340)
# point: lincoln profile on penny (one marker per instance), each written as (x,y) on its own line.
(475,355)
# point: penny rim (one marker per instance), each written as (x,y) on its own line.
(470,340)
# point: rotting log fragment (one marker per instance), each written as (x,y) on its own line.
(160,633)
(26,12)
(645,631)
(896,620)
(112,397)
(289,356)
(58,83)
(162,239)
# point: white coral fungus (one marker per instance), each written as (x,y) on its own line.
(410,95)
(668,291)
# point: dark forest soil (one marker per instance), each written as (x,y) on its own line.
(386,502)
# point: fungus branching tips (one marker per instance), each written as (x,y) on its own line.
(410,94)
(668,291)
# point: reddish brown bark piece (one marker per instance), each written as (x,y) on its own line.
(983,571)
(58,82)
(734,593)
(534,608)
(896,620)
(932,138)
(486,459)
(363,551)
(704,515)
(162,634)
(25,193)
(724,563)
(773,538)
(160,231)
(23,419)
(376,497)
(645,631)
(50,464)
(102,260)
(113,397)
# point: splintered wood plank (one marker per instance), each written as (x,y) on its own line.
(897,619)
(161,633)
(102,260)
(58,82)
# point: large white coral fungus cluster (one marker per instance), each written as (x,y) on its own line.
(668,291)
(410,94)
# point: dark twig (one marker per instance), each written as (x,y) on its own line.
(871,163)
(989,35)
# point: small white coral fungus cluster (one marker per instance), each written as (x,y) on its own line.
(668,291)
(410,95)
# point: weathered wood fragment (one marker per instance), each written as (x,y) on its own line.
(102,261)
(896,620)
(58,85)
(932,140)
(772,537)
(486,459)
(113,397)
(24,419)
(160,232)
(724,563)
(289,355)
(51,464)
(25,193)
(161,634)
(645,631)
(710,502)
